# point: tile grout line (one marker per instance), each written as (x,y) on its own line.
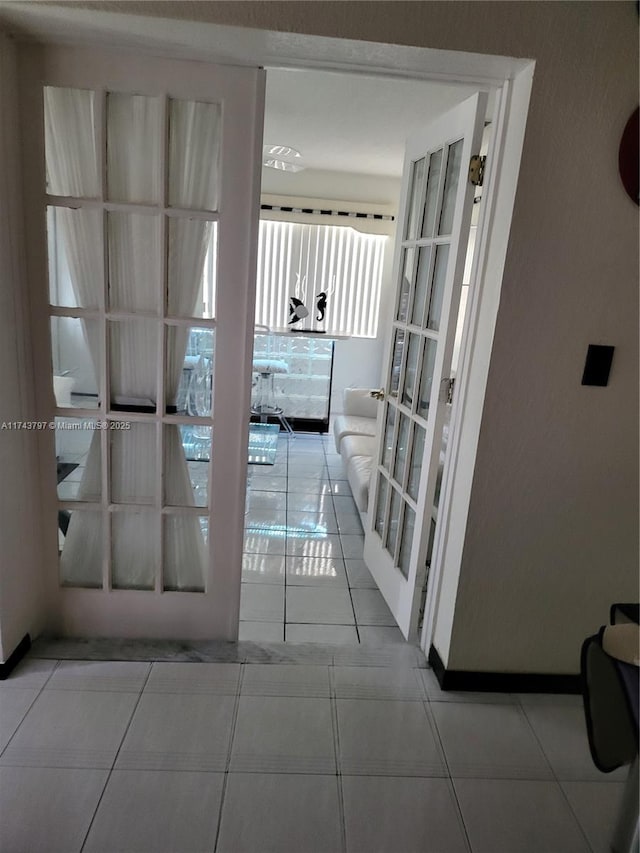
(227,766)
(35,699)
(115,758)
(336,745)
(558,782)
(452,787)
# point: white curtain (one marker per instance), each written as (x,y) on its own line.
(134,249)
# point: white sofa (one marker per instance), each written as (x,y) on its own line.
(355,438)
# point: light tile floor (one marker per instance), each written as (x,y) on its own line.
(304,579)
(306,757)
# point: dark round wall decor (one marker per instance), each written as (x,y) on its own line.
(628,157)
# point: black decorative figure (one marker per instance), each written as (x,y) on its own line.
(321,305)
(297,310)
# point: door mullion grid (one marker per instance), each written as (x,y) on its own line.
(104,389)
(441,183)
(162,341)
(130,207)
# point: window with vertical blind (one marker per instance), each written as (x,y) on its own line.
(296,259)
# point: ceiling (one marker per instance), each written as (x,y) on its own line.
(351,122)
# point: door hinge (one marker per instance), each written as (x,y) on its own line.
(476,170)
(446,390)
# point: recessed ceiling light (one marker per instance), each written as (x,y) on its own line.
(282,157)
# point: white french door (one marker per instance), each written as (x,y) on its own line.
(145,173)
(434,219)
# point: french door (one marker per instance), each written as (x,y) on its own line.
(434,219)
(142,184)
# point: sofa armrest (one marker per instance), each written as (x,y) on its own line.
(358,401)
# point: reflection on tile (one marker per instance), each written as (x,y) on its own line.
(178,732)
(309,502)
(596,806)
(47,810)
(260,543)
(268,483)
(561,729)
(324,545)
(430,821)
(489,741)
(371,608)
(371,682)
(359,575)
(262,602)
(116,676)
(311,523)
(518,817)
(14,704)
(265,521)
(261,632)
(344,504)
(341,488)
(316,571)
(304,485)
(161,812)
(387,738)
(219,678)
(278,814)
(283,735)
(263,568)
(330,634)
(270,501)
(436,694)
(285,680)
(323,605)
(70,728)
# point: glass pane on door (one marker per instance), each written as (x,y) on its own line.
(133,567)
(402,313)
(184,553)
(187,454)
(80,537)
(437,289)
(431,202)
(415,204)
(133,360)
(394,520)
(192,268)
(406,541)
(422,285)
(389,433)
(194,154)
(452,175)
(133,148)
(411,371)
(133,464)
(396,362)
(134,242)
(415,467)
(77,175)
(426,380)
(381,506)
(402,446)
(76,257)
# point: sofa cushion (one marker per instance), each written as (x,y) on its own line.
(359,477)
(357,445)
(352,425)
(359,402)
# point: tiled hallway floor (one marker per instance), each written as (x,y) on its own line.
(295,758)
(304,579)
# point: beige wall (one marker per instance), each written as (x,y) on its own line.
(21,596)
(552,534)
(553,525)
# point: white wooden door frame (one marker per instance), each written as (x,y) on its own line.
(512,80)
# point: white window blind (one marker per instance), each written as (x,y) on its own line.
(342,262)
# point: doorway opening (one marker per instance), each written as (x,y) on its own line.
(334,147)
